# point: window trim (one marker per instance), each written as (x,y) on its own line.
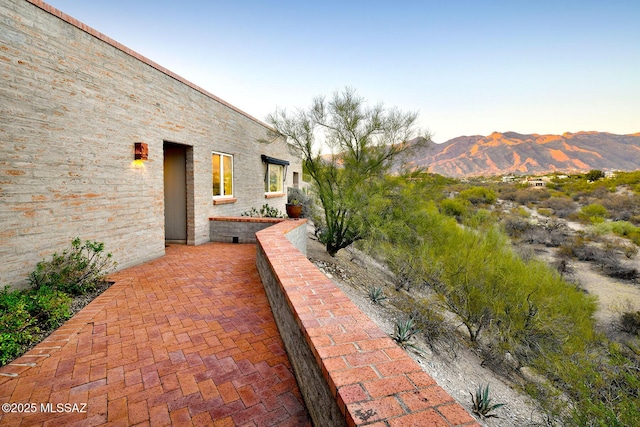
(223,198)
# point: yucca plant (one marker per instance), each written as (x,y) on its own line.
(404,332)
(482,403)
(375,295)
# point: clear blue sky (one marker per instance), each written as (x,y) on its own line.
(468,67)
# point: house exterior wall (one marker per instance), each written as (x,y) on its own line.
(72,104)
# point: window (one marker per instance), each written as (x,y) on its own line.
(275,174)
(222,174)
(275,181)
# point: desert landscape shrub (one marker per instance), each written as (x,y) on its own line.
(562,206)
(479,195)
(516,226)
(545,211)
(630,322)
(455,208)
(622,207)
(593,213)
(526,196)
(519,306)
(77,270)
(25,315)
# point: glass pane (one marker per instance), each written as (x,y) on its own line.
(227,168)
(215,163)
(275,178)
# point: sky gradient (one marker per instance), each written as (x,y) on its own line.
(467,67)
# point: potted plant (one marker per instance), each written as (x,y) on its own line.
(294,209)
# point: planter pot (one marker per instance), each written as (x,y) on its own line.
(294,211)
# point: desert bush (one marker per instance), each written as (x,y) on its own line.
(603,384)
(622,207)
(630,322)
(525,196)
(508,193)
(593,213)
(550,233)
(76,270)
(481,218)
(562,206)
(594,175)
(630,250)
(516,226)
(545,211)
(455,208)
(479,195)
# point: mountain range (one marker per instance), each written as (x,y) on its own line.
(532,154)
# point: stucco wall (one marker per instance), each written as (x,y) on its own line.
(72,104)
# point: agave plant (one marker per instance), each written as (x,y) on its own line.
(482,403)
(404,333)
(375,295)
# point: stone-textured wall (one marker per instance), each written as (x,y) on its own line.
(348,370)
(244,229)
(72,104)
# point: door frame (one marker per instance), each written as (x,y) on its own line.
(189,191)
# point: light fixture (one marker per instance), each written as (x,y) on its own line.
(141,151)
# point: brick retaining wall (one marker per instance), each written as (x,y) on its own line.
(349,371)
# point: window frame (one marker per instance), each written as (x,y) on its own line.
(222,194)
(267,183)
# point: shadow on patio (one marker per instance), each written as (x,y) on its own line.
(188,338)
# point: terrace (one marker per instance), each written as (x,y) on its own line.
(225,334)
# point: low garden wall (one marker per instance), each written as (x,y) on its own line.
(241,229)
(348,370)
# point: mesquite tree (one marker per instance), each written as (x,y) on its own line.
(365,142)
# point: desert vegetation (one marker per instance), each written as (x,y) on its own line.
(453,253)
(459,257)
(59,287)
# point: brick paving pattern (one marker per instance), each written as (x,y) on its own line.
(186,339)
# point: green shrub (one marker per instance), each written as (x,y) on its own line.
(49,306)
(455,208)
(76,271)
(545,211)
(481,218)
(17,326)
(623,228)
(593,213)
(479,195)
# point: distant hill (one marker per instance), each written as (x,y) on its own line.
(514,153)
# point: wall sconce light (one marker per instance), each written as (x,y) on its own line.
(141,151)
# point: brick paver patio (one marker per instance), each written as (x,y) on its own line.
(187,339)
